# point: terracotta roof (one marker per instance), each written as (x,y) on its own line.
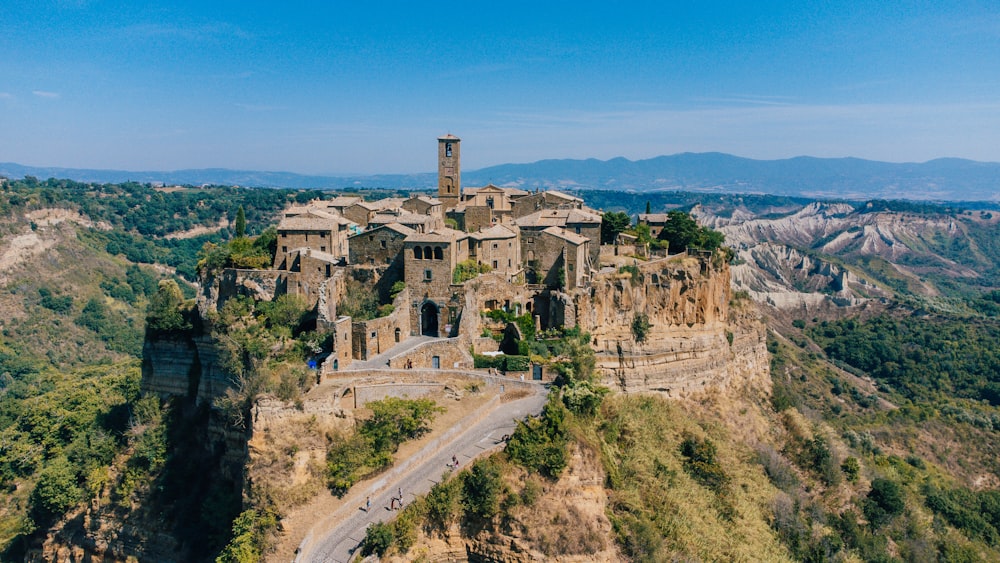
(343,201)
(401,229)
(388,203)
(439,235)
(314,220)
(557,218)
(653,217)
(494,232)
(426,199)
(449,137)
(405,218)
(315,254)
(367,205)
(562,195)
(572,238)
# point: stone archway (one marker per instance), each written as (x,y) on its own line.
(429,319)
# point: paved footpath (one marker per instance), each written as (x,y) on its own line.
(337,537)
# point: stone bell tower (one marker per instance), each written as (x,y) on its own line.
(449,171)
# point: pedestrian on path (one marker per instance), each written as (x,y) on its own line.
(368,504)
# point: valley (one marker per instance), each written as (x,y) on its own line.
(827,391)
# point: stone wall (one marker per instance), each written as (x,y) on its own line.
(371,338)
(477,217)
(260,285)
(343,346)
(452,353)
(378,246)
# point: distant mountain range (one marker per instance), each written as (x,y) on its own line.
(946,179)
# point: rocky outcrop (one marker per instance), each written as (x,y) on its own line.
(693,340)
(185,366)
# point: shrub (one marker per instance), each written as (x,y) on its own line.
(640,327)
(443,503)
(539,444)
(851,468)
(700,462)
(883,503)
(378,539)
(482,486)
(55,492)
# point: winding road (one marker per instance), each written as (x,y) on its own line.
(336,537)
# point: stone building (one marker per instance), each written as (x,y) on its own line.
(577,221)
(417,222)
(656,222)
(499,247)
(544,200)
(378,246)
(429,264)
(361,212)
(497,200)
(449,171)
(556,257)
(423,205)
(308,269)
(313,229)
(471,218)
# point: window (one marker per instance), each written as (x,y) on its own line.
(508,263)
(418,253)
(374,334)
(438,253)
(427,253)
(494,264)
(531,240)
(494,246)
(322,235)
(284,235)
(578,229)
(428,275)
(447,149)
(322,249)
(489,202)
(383,244)
(284,249)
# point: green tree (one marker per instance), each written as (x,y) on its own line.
(164,313)
(682,231)
(55,492)
(482,486)
(612,223)
(640,327)
(883,503)
(647,208)
(93,315)
(241,222)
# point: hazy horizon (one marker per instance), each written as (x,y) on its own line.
(353,89)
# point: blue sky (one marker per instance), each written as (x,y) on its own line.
(366,87)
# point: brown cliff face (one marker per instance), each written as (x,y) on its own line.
(695,339)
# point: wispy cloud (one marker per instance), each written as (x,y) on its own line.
(749,99)
(44,94)
(6,96)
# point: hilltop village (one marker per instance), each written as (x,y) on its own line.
(453,271)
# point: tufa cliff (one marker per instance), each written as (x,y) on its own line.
(671,326)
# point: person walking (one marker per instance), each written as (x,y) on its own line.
(368,504)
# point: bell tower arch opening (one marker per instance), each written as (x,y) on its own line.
(429,319)
(449,171)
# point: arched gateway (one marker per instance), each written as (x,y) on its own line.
(429,319)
